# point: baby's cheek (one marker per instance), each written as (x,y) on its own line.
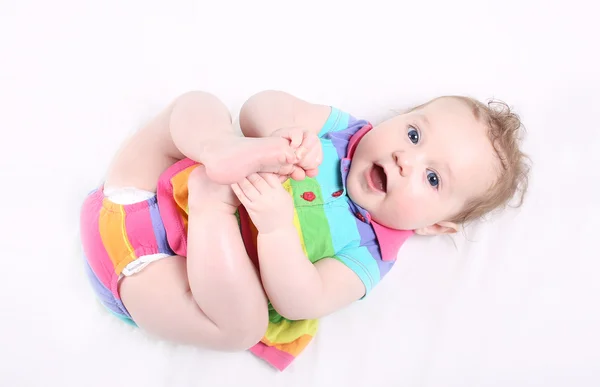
(408,211)
(414,212)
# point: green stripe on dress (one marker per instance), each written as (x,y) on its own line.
(314,224)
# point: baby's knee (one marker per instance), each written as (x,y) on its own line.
(195,98)
(202,106)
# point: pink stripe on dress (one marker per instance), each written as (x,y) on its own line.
(93,246)
(138,225)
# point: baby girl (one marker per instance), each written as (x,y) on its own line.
(200,235)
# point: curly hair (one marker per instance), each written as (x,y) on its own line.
(505,131)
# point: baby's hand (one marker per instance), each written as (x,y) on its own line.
(269,205)
(308,151)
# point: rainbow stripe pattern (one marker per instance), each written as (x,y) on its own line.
(113,236)
(328,222)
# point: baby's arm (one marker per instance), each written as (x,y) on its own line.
(175,133)
(270,110)
(296,288)
(272,113)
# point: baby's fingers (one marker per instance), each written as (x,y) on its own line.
(237,190)
(312,159)
(309,141)
(298,174)
(271,179)
(312,172)
(248,188)
(294,135)
(258,180)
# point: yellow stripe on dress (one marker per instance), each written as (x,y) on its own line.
(124,232)
(295,347)
(288,187)
(180,193)
(287,331)
(111,224)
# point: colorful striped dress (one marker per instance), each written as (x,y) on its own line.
(329,224)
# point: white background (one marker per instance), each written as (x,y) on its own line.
(516,306)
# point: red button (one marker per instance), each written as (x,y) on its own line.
(337,193)
(360,216)
(309,196)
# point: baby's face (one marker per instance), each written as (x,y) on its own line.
(417,170)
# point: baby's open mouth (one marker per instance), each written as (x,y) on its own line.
(379,178)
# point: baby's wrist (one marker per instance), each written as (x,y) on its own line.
(278,231)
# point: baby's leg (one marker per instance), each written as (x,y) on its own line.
(223,279)
(198,126)
(217,299)
(201,129)
(161,303)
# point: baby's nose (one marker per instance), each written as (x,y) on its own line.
(404,163)
(405,170)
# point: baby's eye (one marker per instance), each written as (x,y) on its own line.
(433,179)
(413,135)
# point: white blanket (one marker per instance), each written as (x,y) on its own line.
(515,305)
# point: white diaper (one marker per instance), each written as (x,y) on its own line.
(132,195)
(127,195)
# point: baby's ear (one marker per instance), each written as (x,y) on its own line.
(438,229)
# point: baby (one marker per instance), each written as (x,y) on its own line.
(202,236)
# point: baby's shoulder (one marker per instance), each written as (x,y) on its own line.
(338,121)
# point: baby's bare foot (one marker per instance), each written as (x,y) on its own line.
(206,194)
(229,160)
